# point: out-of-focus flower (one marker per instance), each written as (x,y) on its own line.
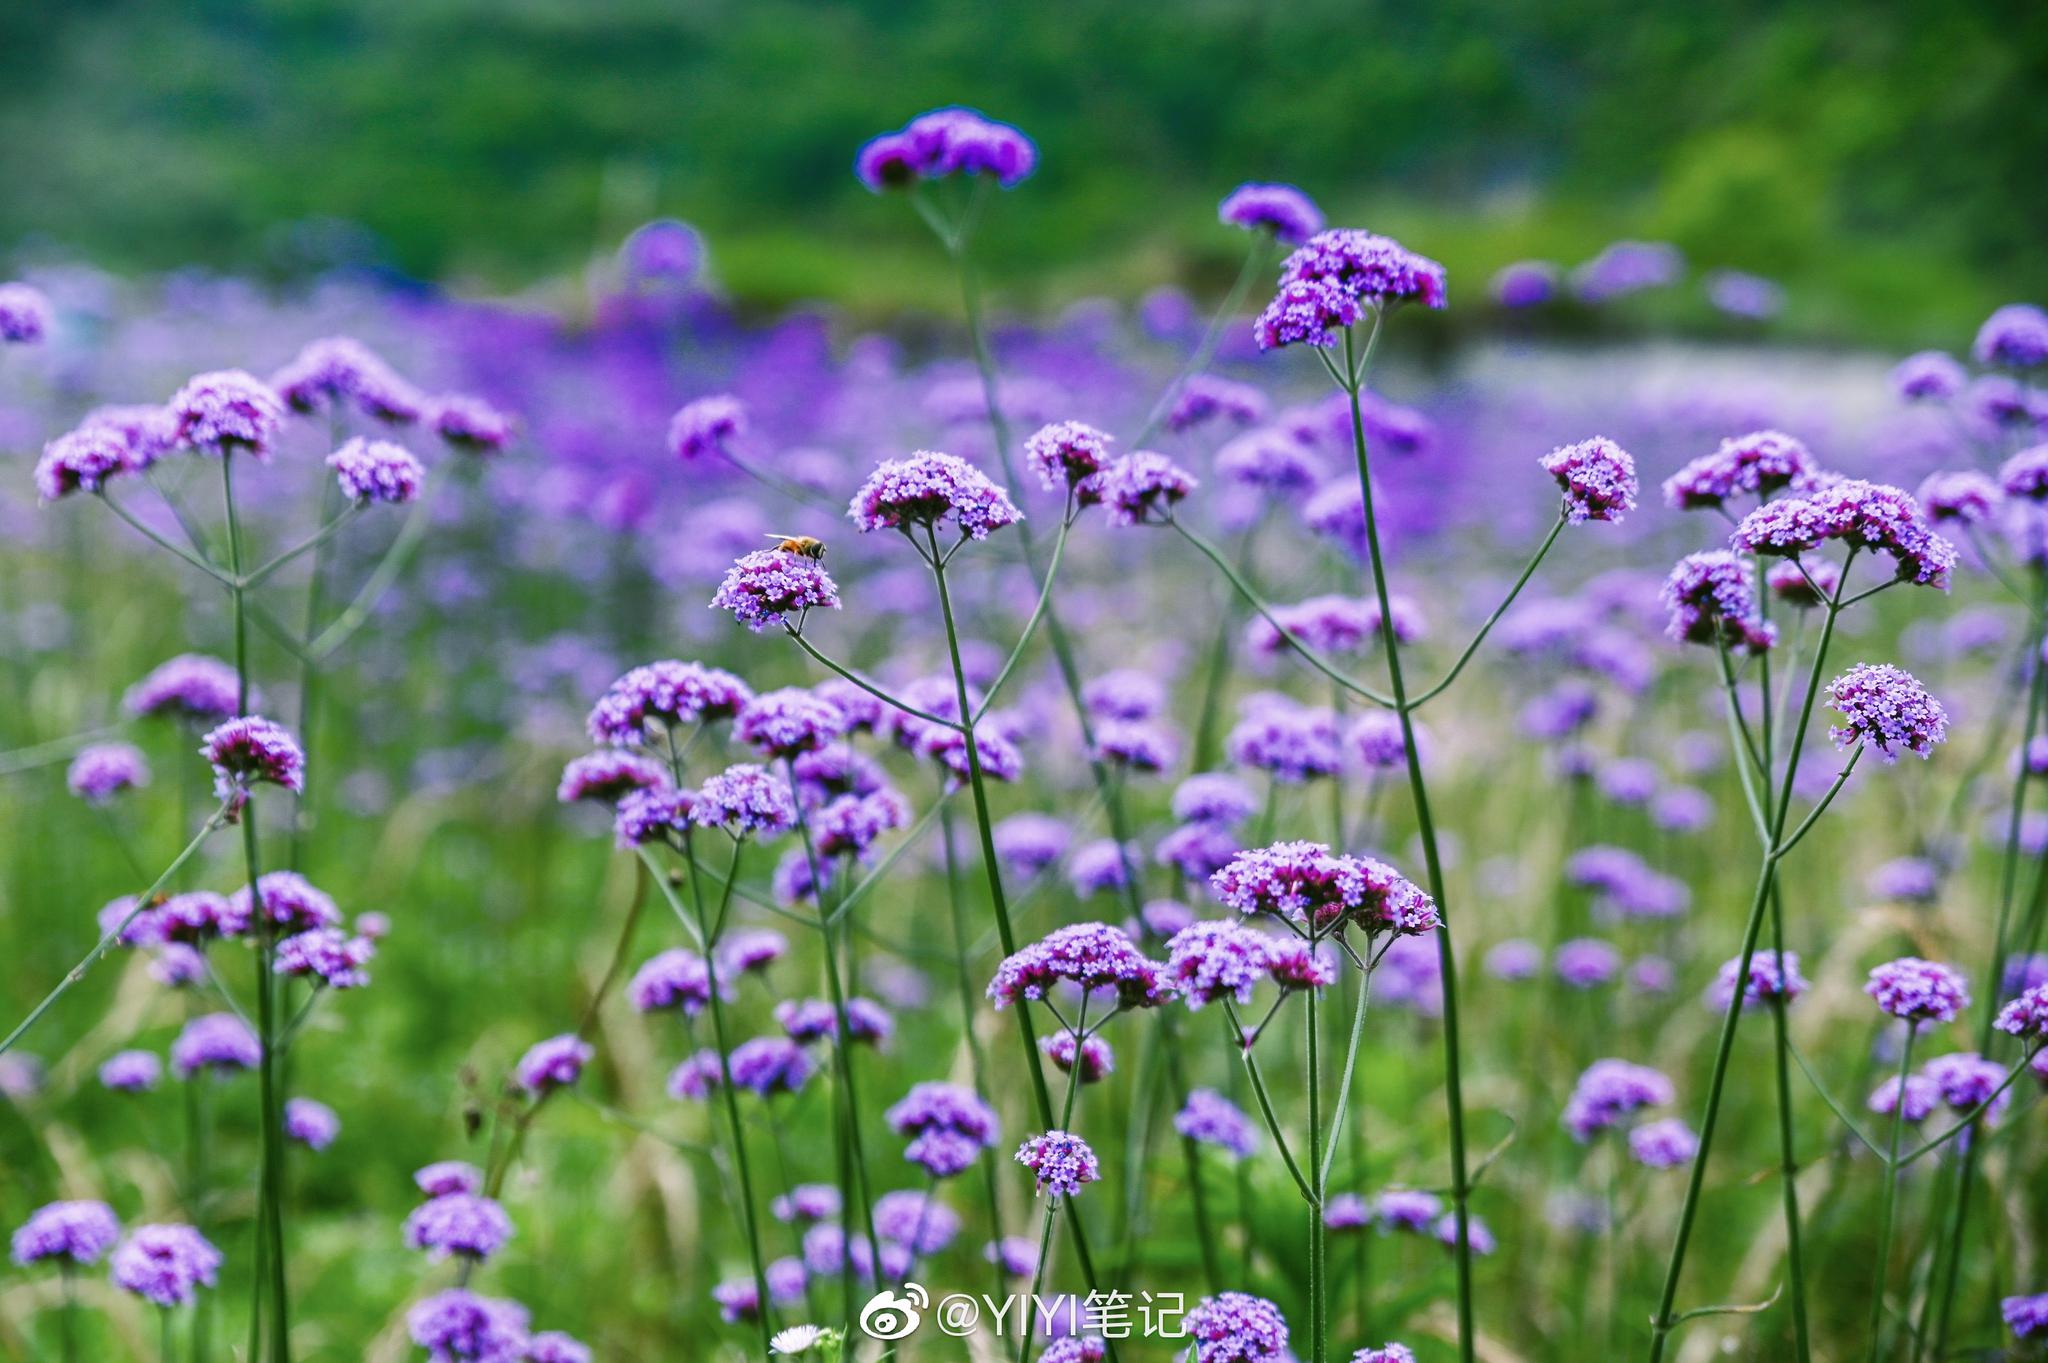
(165,1265)
(1290,215)
(377,471)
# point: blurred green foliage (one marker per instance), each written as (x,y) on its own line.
(1843,149)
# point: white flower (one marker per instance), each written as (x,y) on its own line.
(796,1339)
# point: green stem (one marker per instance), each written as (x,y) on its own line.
(1254,265)
(1891,1193)
(1318,1288)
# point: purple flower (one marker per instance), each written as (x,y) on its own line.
(1213,797)
(675,978)
(1144,486)
(84,460)
(1205,397)
(1217,959)
(789,721)
(1332,624)
(312,1124)
(376,471)
(1090,1058)
(695,1077)
(1912,879)
(1069,454)
(553,1346)
(1306,312)
(1366,267)
(608,775)
(654,814)
(915,1220)
(703,427)
(1773,977)
(339,369)
(1347,1212)
(1922,1097)
(2025,1316)
(1393,1353)
(1750,297)
(467,1224)
(1886,708)
(664,695)
(949,1127)
(1712,599)
(449,1177)
(1211,1119)
(928,490)
(1587,963)
(470,424)
(1524,284)
(1918,990)
(214,1041)
(249,750)
(554,1063)
(1089,956)
(2026,1016)
(1302,882)
(190,687)
(1863,515)
(1514,959)
(1664,1144)
(131,1071)
(768,586)
(1965,497)
(1598,479)
(1061,1163)
(1290,215)
(2015,336)
(458,1326)
(1610,1090)
(1236,1327)
(24,314)
(744,799)
(104,770)
(850,824)
(289,900)
(1627,267)
(165,1264)
(951,141)
(228,412)
(1292,743)
(328,955)
(768,1065)
(2025,475)
(1930,375)
(1028,843)
(1197,850)
(76,1231)
(1400,1209)
(664,251)
(1967,1081)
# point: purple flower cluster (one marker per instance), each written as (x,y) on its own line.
(165,1265)
(702,428)
(1886,708)
(1069,455)
(745,799)
(1088,956)
(1918,990)
(1144,486)
(458,1326)
(214,1041)
(466,1224)
(1712,599)
(930,489)
(328,955)
(1608,1092)
(951,141)
(1597,477)
(1060,1162)
(554,1063)
(24,314)
(1290,215)
(948,1126)
(1366,268)
(104,770)
(190,687)
(78,1232)
(1862,515)
(228,412)
(1236,1327)
(662,695)
(770,586)
(377,471)
(1773,978)
(251,750)
(1211,1119)
(1759,464)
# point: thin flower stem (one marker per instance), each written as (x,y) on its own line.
(1027,1328)
(357,613)
(1471,649)
(1739,740)
(1191,1154)
(1318,1284)
(1293,640)
(877,692)
(1454,1089)
(675,903)
(1344,1086)
(730,1102)
(1255,260)
(1968,1120)
(154,538)
(1059,548)
(1251,1065)
(1841,1113)
(1891,1194)
(1806,824)
(50,753)
(112,935)
(874,877)
(333,527)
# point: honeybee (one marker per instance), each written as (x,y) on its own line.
(800,544)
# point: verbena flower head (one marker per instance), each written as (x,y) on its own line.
(458,1326)
(465,1224)
(789,721)
(1347,1212)
(1290,742)
(448,1177)
(1313,312)
(702,428)
(746,799)
(470,424)
(1393,903)
(191,687)
(104,770)
(554,1063)
(251,750)
(2026,1016)
(951,141)
(770,586)
(653,814)
(1967,1082)
(2025,1316)
(1213,797)
(1211,1119)
(214,1041)
(1918,990)
(228,412)
(1586,962)
(1608,1092)
(768,1065)
(1236,1327)
(807,1202)
(1136,746)
(1089,1058)
(1515,959)
(78,1232)
(676,978)
(1406,1209)
(1773,977)
(1302,882)
(1665,1144)
(312,1124)
(1368,267)
(1205,397)
(338,369)
(1069,454)
(930,489)
(948,1126)
(166,1265)
(1386,1353)
(1929,376)
(1711,597)
(1060,1162)
(851,824)
(2015,336)
(1290,215)
(1333,624)
(1872,516)
(1914,1100)
(1029,842)
(131,1071)
(24,314)
(1886,708)
(751,951)
(1089,956)
(1124,694)
(2025,475)
(327,955)
(1597,476)
(554,1346)
(609,775)
(377,471)
(1217,959)
(1758,464)
(915,1220)
(664,695)
(1144,486)
(1524,284)
(84,460)
(290,901)
(1962,497)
